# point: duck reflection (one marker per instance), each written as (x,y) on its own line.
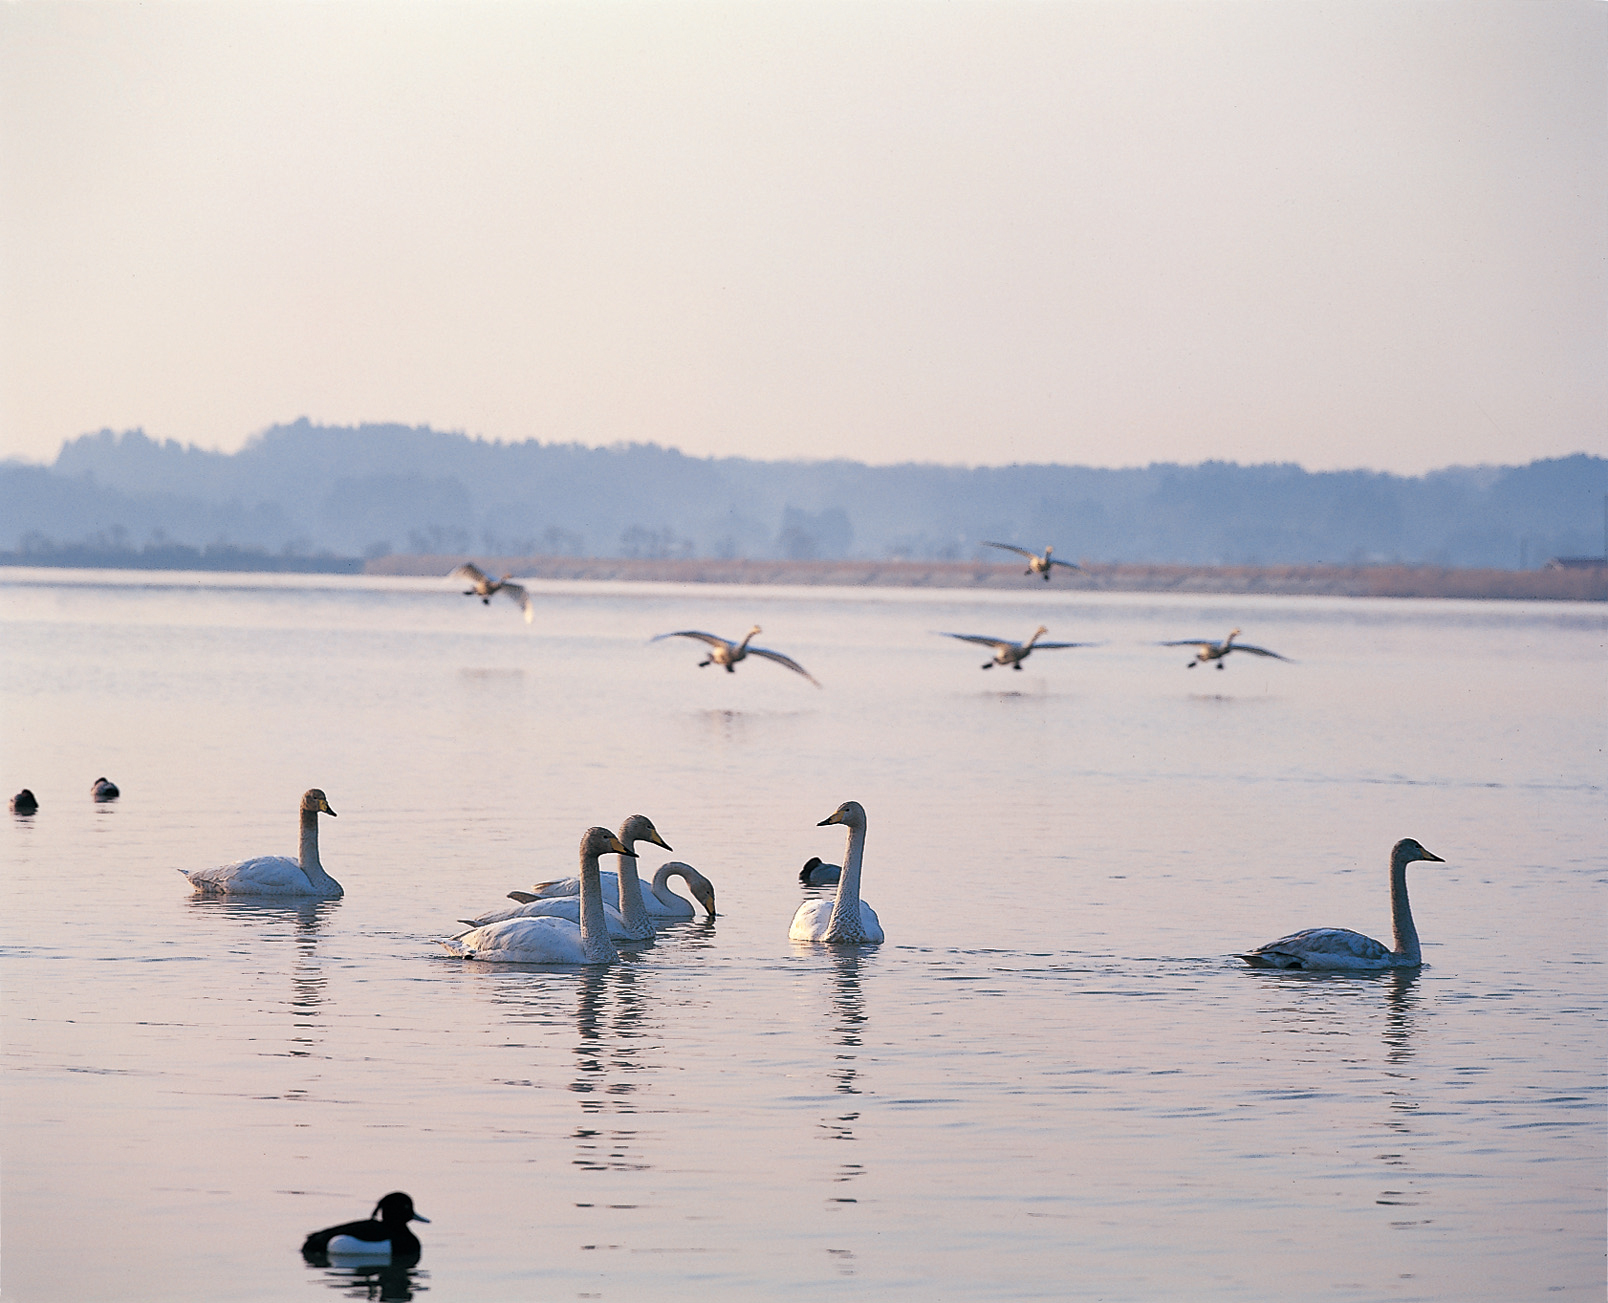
(610,1040)
(398,1279)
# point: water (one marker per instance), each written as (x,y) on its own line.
(1052,1082)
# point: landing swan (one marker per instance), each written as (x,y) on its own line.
(630,922)
(1340,948)
(816,874)
(1208,651)
(484,587)
(385,1233)
(1038,563)
(1014,653)
(727,653)
(276,875)
(545,940)
(657,898)
(845,918)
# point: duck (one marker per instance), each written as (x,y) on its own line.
(1209,651)
(1340,949)
(657,898)
(1038,563)
(276,875)
(104,789)
(544,939)
(726,653)
(24,802)
(845,919)
(816,874)
(385,1233)
(1014,653)
(484,587)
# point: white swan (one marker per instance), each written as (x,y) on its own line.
(657,898)
(727,653)
(484,586)
(1038,563)
(845,918)
(1340,948)
(816,874)
(630,922)
(1014,653)
(276,875)
(1208,651)
(546,940)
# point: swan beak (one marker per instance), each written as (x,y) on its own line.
(831,818)
(324,807)
(618,847)
(1429,856)
(707,900)
(660,841)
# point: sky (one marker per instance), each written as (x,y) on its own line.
(1337,234)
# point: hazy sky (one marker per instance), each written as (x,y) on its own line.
(1341,234)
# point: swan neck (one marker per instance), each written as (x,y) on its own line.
(594,923)
(310,864)
(632,909)
(1401,913)
(845,921)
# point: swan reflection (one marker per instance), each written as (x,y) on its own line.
(845,1076)
(610,1037)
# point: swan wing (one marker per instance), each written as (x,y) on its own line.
(1259,651)
(1011,547)
(567,907)
(810,922)
(1070,565)
(1053,646)
(1188,642)
(518,593)
(265,875)
(782,660)
(470,571)
(1322,948)
(541,940)
(709,638)
(998,643)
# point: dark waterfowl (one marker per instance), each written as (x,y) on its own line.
(385,1233)
(104,789)
(816,874)
(24,802)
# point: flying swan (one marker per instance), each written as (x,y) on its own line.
(845,919)
(1209,651)
(724,652)
(1338,947)
(1038,563)
(1014,653)
(276,875)
(657,898)
(484,586)
(546,940)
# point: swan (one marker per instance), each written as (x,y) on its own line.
(385,1233)
(1216,651)
(816,874)
(25,802)
(104,789)
(484,586)
(276,875)
(1340,948)
(845,918)
(1014,653)
(727,653)
(657,898)
(547,940)
(1038,563)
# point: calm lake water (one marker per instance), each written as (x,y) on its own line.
(1053,1081)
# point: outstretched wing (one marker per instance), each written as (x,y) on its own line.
(979,638)
(1189,642)
(782,660)
(518,593)
(694,633)
(470,571)
(1056,561)
(1052,646)
(1259,651)
(1011,547)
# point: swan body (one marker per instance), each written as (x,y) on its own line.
(725,653)
(276,875)
(657,898)
(1038,563)
(25,802)
(1014,653)
(1208,651)
(385,1234)
(544,939)
(816,874)
(104,789)
(845,919)
(1340,949)
(565,907)
(484,587)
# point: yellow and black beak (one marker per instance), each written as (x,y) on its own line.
(618,847)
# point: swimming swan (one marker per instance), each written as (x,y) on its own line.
(1014,653)
(727,653)
(484,586)
(547,940)
(1340,948)
(816,874)
(845,918)
(1208,651)
(657,898)
(1038,563)
(276,875)
(385,1234)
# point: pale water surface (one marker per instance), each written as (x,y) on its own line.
(1053,1081)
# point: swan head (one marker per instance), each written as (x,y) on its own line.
(703,891)
(397,1208)
(315,802)
(1232,634)
(639,828)
(600,841)
(1043,628)
(1407,850)
(851,813)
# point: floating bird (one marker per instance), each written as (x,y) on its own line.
(1038,563)
(727,653)
(547,940)
(385,1234)
(657,898)
(24,802)
(276,875)
(845,918)
(816,874)
(484,587)
(1216,651)
(1014,653)
(1340,948)
(104,789)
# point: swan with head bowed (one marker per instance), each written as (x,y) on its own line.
(659,902)
(845,919)
(544,939)
(276,875)
(630,921)
(1338,948)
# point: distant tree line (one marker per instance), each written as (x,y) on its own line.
(306,494)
